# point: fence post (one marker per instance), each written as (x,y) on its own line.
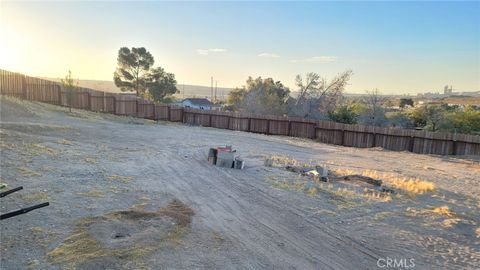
(228,122)
(154,113)
(412,142)
(209,120)
(24,87)
(169,118)
(374,141)
(104,103)
(249,122)
(289,128)
(136,107)
(343,137)
(89,101)
(59,95)
(268,126)
(114,105)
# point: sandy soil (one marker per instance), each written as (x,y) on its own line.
(136,194)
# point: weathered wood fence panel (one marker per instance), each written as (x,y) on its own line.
(12,84)
(146,109)
(220,121)
(240,123)
(302,128)
(176,114)
(161,112)
(423,142)
(279,127)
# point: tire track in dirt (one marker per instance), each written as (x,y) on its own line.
(220,196)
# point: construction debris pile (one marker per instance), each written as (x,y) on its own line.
(317,173)
(321,173)
(225,157)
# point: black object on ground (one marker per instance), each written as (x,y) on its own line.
(5,193)
(23,210)
(20,211)
(365,179)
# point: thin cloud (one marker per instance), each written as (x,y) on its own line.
(208,51)
(269,55)
(317,59)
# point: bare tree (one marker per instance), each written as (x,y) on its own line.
(311,83)
(374,113)
(317,96)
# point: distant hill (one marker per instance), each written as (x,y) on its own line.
(186,90)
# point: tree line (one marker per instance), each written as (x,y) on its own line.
(322,99)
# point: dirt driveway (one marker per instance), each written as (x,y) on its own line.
(137,194)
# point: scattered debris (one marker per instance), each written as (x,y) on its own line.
(361,178)
(225,157)
(318,174)
(388,190)
(238,163)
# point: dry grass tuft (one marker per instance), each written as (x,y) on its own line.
(78,248)
(123,179)
(312,192)
(443,210)
(411,186)
(64,142)
(92,193)
(32,264)
(450,222)
(8,146)
(26,172)
(91,160)
(415,186)
(36,196)
(283,161)
(35,149)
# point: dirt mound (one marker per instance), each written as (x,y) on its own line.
(122,237)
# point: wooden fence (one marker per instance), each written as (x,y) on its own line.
(423,142)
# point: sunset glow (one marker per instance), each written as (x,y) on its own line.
(397,47)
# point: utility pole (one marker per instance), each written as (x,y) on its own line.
(211,88)
(216,90)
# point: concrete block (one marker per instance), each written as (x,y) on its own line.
(225,163)
(212,160)
(226,155)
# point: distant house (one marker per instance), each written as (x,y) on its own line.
(198,103)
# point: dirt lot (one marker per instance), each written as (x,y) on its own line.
(136,194)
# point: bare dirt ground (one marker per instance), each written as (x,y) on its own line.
(136,194)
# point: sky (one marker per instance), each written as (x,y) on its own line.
(396,47)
